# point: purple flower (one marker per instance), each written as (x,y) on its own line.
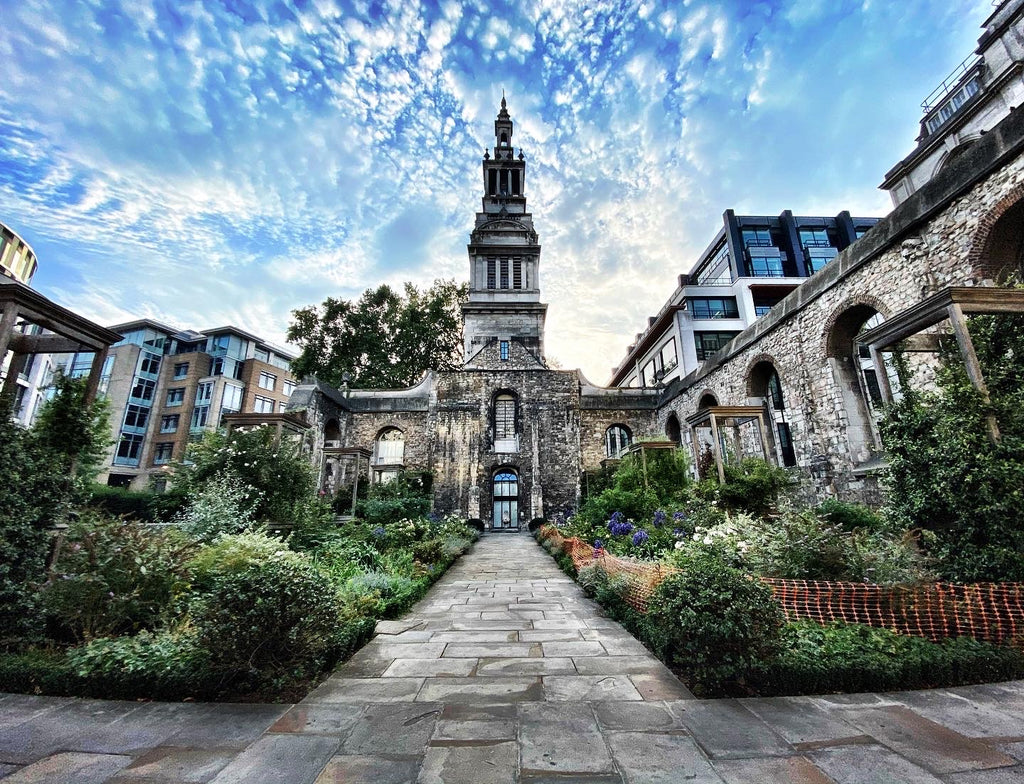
(621,528)
(659,518)
(679,516)
(379,532)
(617,517)
(598,544)
(640,537)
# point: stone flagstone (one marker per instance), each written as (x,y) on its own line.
(505,672)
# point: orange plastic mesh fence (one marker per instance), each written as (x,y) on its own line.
(993,612)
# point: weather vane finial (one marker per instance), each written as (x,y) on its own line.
(502,97)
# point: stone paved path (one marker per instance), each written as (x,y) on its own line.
(506,673)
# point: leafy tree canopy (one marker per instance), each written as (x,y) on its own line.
(385,339)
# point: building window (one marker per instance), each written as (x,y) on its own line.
(669,357)
(180,369)
(648,376)
(503,350)
(150,363)
(815,237)
(952,106)
(129,448)
(389,448)
(517,273)
(143,389)
(617,439)
(263,405)
(231,401)
(175,396)
(708,343)
(761,309)
(713,307)
(262,354)
(136,416)
(217,366)
(757,237)
(504,273)
(765,267)
(504,417)
(163,453)
(267,380)
(289,387)
(492,273)
(775,391)
(204,393)
(200,416)
(786,444)
(169,423)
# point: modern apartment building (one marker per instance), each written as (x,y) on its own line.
(17,259)
(973,99)
(166,386)
(752,264)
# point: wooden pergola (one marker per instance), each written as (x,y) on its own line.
(726,418)
(70,333)
(952,304)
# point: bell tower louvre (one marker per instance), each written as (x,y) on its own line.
(503,321)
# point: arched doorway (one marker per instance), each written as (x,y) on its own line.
(764,383)
(857,378)
(506,499)
(673,431)
(1002,259)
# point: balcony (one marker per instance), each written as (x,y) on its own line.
(955,91)
(765,261)
(817,256)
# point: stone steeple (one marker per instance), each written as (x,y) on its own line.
(504,316)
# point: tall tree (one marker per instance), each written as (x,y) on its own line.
(385,339)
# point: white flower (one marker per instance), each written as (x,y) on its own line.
(679,545)
(707,540)
(696,537)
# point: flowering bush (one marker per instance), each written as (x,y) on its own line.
(115,577)
(223,505)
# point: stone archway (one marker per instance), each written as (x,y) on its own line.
(997,252)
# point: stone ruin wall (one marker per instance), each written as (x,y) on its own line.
(946,249)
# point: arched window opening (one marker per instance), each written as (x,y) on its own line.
(617,439)
(506,499)
(707,400)
(389,448)
(673,430)
(504,139)
(332,433)
(505,433)
(764,383)
(1003,257)
(857,378)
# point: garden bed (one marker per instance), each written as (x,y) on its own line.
(725,634)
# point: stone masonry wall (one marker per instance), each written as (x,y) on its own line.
(887,272)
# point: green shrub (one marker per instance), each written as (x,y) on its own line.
(714,623)
(853,657)
(233,553)
(386,511)
(115,577)
(277,479)
(141,505)
(161,665)
(850,516)
(429,551)
(221,505)
(944,474)
(752,486)
(272,619)
(391,594)
(796,543)
(36,495)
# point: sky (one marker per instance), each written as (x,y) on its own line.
(211,163)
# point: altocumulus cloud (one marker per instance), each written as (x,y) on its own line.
(207,163)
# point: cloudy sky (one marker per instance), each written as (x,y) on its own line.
(204,163)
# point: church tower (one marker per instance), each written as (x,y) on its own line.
(503,321)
